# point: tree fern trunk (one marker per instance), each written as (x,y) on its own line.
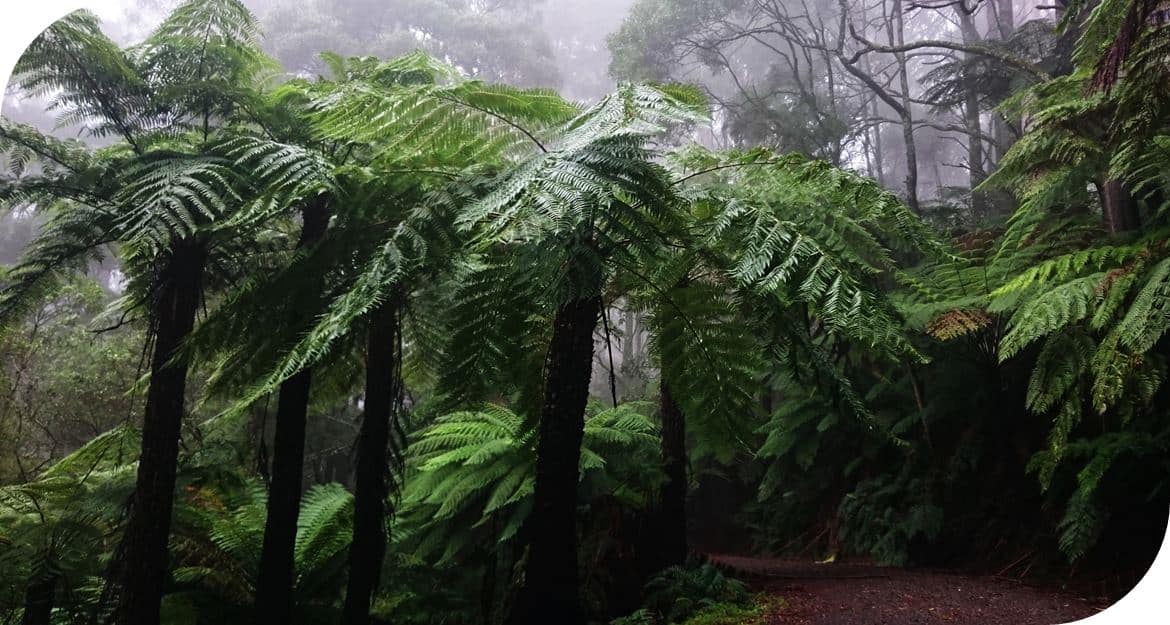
(672,509)
(275,580)
(38,600)
(1120,209)
(371,488)
(141,566)
(276,577)
(550,593)
(487,588)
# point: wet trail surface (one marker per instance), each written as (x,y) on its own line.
(859,594)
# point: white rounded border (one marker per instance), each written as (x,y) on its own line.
(23,19)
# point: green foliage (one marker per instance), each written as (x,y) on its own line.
(63,384)
(793,241)
(56,527)
(164,102)
(472,474)
(1063,291)
(857,370)
(217,549)
(762,607)
(873,519)
(709,363)
(641,616)
(593,190)
(685,594)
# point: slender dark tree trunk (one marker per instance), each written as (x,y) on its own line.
(275,580)
(274,583)
(672,507)
(487,588)
(140,568)
(371,487)
(38,600)
(1120,210)
(550,593)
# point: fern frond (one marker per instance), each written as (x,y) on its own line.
(1050,311)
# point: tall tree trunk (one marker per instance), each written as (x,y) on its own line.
(141,563)
(1005,18)
(971,118)
(878,157)
(1004,22)
(838,139)
(895,31)
(276,577)
(550,592)
(1120,210)
(672,507)
(370,486)
(38,600)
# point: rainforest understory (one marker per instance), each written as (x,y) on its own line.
(635,312)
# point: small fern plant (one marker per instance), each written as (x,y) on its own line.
(471,476)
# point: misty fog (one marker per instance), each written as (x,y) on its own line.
(584,312)
(767,65)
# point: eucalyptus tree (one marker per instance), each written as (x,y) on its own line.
(159,193)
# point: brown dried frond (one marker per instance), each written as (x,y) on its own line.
(958,322)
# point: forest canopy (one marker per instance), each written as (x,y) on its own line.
(486,311)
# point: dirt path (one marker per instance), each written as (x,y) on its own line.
(857,594)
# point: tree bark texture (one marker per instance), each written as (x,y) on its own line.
(550,593)
(140,567)
(672,509)
(38,600)
(371,487)
(1120,210)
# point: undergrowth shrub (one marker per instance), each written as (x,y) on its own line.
(681,593)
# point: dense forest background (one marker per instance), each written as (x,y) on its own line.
(482,310)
